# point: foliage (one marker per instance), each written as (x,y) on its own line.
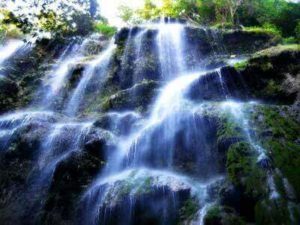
(297,32)
(55,18)
(105,29)
(266,28)
(283,15)
(289,40)
(8,29)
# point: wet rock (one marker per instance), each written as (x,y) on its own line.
(218,215)
(218,86)
(267,77)
(98,141)
(119,123)
(265,163)
(8,94)
(272,75)
(70,179)
(137,97)
(139,197)
(74,173)
(235,197)
(237,41)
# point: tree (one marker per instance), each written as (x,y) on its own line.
(63,17)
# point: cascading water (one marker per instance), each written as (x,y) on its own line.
(158,164)
(62,136)
(8,50)
(170,42)
(63,140)
(11,123)
(98,66)
(58,75)
(151,146)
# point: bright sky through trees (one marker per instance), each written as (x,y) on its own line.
(109,9)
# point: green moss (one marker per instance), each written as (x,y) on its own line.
(273,51)
(282,126)
(189,210)
(241,65)
(289,40)
(266,29)
(272,88)
(280,142)
(286,156)
(268,212)
(223,216)
(213,214)
(224,26)
(228,128)
(243,171)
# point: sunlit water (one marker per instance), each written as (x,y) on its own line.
(8,50)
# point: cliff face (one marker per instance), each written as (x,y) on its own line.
(166,124)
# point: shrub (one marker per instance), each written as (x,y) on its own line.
(105,29)
(266,28)
(289,40)
(297,32)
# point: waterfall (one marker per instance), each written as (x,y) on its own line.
(58,75)
(97,67)
(151,163)
(238,111)
(12,122)
(61,142)
(8,50)
(147,151)
(170,42)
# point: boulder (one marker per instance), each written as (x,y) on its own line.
(270,76)
(139,197)
(137,97)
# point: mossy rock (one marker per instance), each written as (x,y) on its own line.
(8,94)
(137,97)
(276,212)
(218,215)
(278,131)
(243,170)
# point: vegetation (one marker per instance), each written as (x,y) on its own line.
(8,29)
(278,16)
(51,19)
(105,29)
(189,209)
(266,28)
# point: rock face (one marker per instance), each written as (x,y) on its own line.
(21,176)
(271,76)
